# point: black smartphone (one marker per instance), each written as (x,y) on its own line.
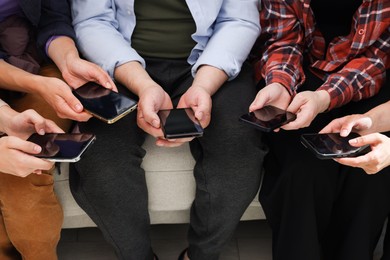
(332,145)
(179,123)
(105,104)
(62,147)
(268,118)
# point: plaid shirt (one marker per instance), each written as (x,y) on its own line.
(353,67)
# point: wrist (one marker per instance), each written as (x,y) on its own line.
(209,78)
(209,90)
(6,114)
(63,51)
(146,87)
(37,85)
(324,100)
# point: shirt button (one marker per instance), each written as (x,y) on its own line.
(361,31)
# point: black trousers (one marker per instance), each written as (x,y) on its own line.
(109,183)
(319,209)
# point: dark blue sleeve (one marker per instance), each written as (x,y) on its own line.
(3,55)
(55,20)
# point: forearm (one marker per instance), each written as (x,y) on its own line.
(209,78)
(359,79)
(61,50)
(380,118)
(6,114)
(13,78)
(134,77)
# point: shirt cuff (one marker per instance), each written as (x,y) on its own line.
(49,41)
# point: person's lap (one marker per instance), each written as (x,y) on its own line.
(229,158)
(30,202)
(320,199)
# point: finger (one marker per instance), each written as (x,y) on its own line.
(299,122)
(103,79)
(52,127)
(66,112)
(295,105)
(72,101)
(355,123)
(202,113)
(259,102)
(332,127)
(359,161)
(35,163)
(156,132)
(36,120)
(170,143)
(149,115)
(21,145)
(371,139)
(346,128)
(83,116)
(202,108)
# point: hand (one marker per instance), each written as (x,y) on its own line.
(199,100)
(15,158)
(24,124)
(307,105)
(345,125)
(60,97)
(152,99)
(374,161)
(273,94)
(77,72)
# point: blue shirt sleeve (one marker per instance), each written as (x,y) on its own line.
(235,31)
(99,36)
(226,32)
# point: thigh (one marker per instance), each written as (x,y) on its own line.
(229,147)
(109,184)
(229,159)
(32,215)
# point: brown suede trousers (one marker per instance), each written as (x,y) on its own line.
(30,214)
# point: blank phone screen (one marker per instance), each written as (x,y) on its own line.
(332,145)
(268,118)
(61,146)
(103,102)
(179,123)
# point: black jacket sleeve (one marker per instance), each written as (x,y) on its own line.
(3,55)
(55,20)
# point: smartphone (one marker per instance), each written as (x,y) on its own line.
(332,145)
(103,103)
(268,118)
(62,147)
(179,123)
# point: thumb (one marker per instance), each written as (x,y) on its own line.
(24,146)
(72,101)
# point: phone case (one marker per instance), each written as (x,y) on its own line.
(62,147)
(273,118)
(104,104)
(328,148)
(179,123)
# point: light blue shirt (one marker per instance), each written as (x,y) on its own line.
(225,32)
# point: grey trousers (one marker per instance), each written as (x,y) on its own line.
(109,184)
